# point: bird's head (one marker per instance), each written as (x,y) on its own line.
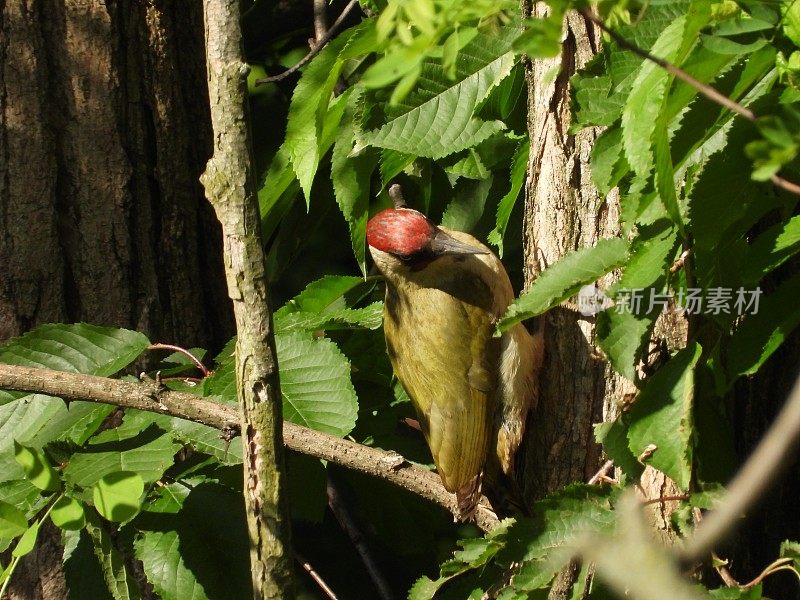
(404,239)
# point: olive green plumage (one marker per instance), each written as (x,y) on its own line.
(471,390)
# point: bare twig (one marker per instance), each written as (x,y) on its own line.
(315,576)
(761,469)
(705,89)
(602,472)
(786,185)
(396,194)
(320,43)
(320,21)
(663,499)
(203,369)
(150,397)
(346,521)
(782,564)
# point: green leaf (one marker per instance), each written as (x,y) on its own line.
(27,542)
(38,420)
(762,333)
(148,453)
(203,527)
(640,115)
(665,173)
(351,177)
(468,165)
(37,468)
(23,495)
(315,384)
(724,202)
(393,66)
(68,513)
(732,593)
(117,496)
(308,108)
(791,21)
(369,317)
(519,170)
(467,206)
(326,294)
(438,119)
(790,549)
(12,521)
(392,164)
(278,192)
(623,334)
(771,249)
(119,581)
(662,416)
(564,278)
(81,567)
(325,304)
(613,435)
(608,165)
(78,348)
(780,143)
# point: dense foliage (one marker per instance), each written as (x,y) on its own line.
(431,94)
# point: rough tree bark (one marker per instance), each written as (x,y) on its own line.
(230,184)
(103,134)
(563,212)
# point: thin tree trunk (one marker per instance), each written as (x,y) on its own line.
(230,185)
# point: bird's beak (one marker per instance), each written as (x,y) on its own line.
(446,244)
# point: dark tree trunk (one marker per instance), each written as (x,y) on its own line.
(104,131)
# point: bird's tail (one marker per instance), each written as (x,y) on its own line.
(468,496)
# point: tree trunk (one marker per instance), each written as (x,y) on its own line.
(104,131)
(564,212)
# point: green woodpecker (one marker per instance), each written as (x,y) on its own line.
(445,292)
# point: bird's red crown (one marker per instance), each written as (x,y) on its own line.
(402,231)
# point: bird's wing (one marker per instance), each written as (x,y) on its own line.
(448,367)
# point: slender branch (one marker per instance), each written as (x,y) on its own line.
(782,564)
(765,463)
(346,521)
(230,185)
(320,20)
(706,90)
(664,499)
(203,369)
(309,568)
(320,43)
(601,473)
(785,184)
(149,396)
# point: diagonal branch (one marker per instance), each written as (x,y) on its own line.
(706,90)
(152,397)
(319,44)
